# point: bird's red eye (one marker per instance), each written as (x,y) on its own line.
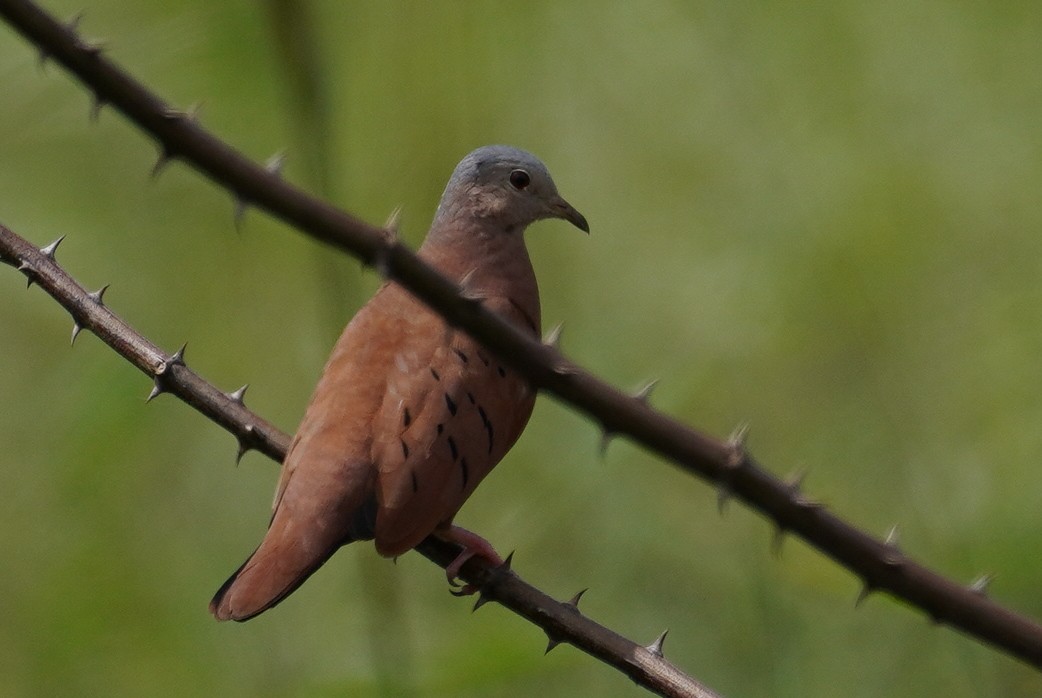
(519,179)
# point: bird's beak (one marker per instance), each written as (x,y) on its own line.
(562,209)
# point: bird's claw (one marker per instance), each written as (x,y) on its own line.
(473,545)
(452,574)
(464,589)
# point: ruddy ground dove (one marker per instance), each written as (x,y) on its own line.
(410,413)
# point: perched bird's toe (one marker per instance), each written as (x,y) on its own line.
(473,546)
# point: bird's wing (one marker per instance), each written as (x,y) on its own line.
(327,478)
(328,465)
(447,419)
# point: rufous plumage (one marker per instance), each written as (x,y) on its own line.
(410,413)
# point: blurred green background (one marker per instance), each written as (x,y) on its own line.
(820,218)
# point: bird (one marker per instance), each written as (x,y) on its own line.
(411,413)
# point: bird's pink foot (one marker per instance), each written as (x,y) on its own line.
(473,545)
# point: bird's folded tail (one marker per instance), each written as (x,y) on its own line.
(291,551)
(271,574)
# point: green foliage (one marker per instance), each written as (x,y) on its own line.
(823,220)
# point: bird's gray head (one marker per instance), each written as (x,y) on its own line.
(505,185)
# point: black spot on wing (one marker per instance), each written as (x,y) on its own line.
(435,374)
(451,404)
(453,449)
(459,352)
(415,482)
(405,448)
(488,425)
(441,428)
(464,470)
(406,417)
(502,371)
(470,396)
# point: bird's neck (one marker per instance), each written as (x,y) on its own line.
(488,264)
